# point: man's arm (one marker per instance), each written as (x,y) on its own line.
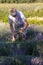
(13,32)
(11,19)
(11,28)
(25,25)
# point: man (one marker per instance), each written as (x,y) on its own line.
(18,23)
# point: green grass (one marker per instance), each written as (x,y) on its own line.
(35,21)
(28,10)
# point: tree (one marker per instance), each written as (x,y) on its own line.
(3,1)
(20,1)
(13,1)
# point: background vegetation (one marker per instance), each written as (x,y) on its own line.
(20,1)
(21,53)
(30,10)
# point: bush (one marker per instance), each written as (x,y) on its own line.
(3,16)
(36,22)
(28,47)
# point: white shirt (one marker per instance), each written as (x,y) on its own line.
(18,20)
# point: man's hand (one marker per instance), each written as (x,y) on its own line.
(21,30)
(25,25)
(13,39)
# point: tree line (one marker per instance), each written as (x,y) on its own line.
(20,1)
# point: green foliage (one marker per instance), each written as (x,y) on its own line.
(5,19)
(20,1)
(31,10)
(33,13)
(36,22)
(4,16)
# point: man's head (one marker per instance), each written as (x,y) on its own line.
(13,12)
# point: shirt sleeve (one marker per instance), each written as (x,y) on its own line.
(11,19)
(22,16)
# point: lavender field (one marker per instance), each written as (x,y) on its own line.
(30,51)
(18,52)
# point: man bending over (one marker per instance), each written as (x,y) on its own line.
(18,23)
